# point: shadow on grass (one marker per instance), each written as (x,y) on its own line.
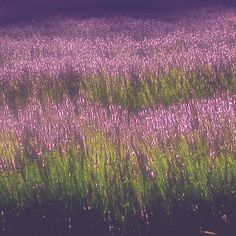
(32,221)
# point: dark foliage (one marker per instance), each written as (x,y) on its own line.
(110,4)
(13,11)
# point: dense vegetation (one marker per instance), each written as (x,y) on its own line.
(130,121)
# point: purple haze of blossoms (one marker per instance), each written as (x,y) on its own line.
(118,45)
(57,124)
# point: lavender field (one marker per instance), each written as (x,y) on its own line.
(120,124)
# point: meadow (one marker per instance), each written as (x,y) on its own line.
(121,124)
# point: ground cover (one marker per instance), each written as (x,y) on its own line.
(123,124)
(126,60)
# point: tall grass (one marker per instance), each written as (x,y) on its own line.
(117,163)
(132,61)
(114,181)
(121,118)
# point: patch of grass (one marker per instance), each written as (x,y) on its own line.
(131,92)
(117,181)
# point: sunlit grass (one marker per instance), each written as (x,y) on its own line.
(124,118)
(114,180)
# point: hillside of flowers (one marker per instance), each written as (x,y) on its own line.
(123,124)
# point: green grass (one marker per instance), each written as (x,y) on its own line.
(133,94)
(116,179)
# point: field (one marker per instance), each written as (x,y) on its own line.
(119,124)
